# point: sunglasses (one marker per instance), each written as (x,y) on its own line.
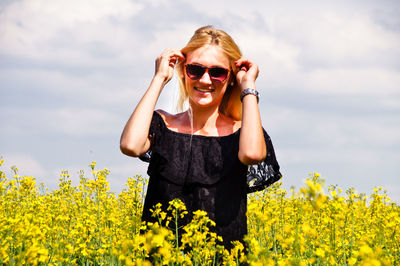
(217,74)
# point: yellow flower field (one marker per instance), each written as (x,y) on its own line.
(87,224)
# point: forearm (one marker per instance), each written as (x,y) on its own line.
(252,147)
(135,136)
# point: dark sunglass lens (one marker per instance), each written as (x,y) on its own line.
(195,71)
(218,73)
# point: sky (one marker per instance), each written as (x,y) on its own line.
(72,72)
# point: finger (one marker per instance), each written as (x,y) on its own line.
(174,55)
(167,58)
(241,61)
(243,67)
(172,62)
(244,63)
(167,53)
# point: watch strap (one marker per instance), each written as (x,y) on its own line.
(247,92)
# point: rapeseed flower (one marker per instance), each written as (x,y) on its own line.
(88,224)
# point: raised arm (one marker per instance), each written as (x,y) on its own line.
(135,136)
(252,146)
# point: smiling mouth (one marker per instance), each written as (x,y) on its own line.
(203,90)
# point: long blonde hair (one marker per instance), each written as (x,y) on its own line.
(208,35)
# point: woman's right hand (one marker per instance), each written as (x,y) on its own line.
(166,62)
(135,139)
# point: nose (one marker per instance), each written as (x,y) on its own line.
(206,79)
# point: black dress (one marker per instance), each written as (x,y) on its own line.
(205,173)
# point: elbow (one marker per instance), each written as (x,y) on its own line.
(252,157)
(129,150)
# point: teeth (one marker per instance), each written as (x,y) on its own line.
(203,90)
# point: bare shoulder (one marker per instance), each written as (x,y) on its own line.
(228,124)
(163,114)
(237,124)
(172,121)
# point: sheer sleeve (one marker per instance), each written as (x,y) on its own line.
(265,173)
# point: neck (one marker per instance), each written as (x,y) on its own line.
(203,118)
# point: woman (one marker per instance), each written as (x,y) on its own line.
(201,155)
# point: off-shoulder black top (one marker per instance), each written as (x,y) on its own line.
(205,173)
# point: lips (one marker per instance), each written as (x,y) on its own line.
(203,89)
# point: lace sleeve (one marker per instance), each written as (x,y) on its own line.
(265,173)
(156,127)
(146,157)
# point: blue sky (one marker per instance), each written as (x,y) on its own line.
(72,71)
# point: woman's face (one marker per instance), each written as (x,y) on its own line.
(205,91)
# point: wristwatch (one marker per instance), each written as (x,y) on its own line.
(248,91)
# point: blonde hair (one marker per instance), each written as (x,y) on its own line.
(231,105)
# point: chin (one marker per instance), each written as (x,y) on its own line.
(203,103)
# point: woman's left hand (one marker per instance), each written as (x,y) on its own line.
(247,74)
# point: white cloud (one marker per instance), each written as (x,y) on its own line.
(70,12)
(390,102)
(271,53)
(365,81)
(83,121)
(174,37)
(332,36)
(59,87)
(67,121)
(298,129)
(40,28)
(27,165)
